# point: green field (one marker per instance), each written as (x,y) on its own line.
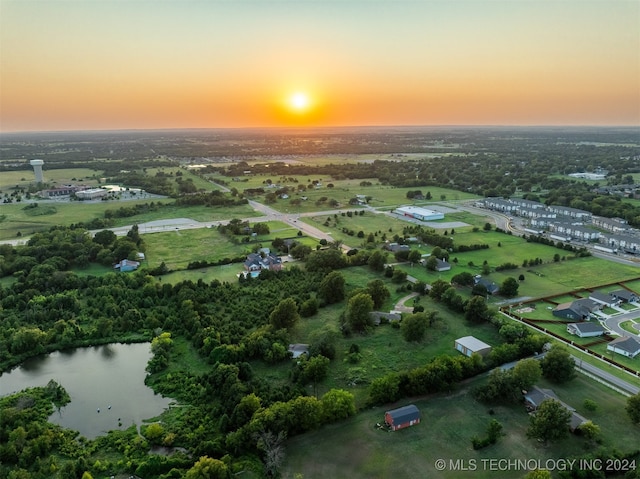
(208,244)
(15,219)
(355,448)
(26,178)
(382,196)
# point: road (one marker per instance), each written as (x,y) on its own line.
(613,322)
(608,378)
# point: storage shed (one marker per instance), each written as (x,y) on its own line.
(469,345)
(402,417)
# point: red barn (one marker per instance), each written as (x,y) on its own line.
(402,417)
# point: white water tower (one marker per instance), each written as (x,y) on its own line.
(37,169)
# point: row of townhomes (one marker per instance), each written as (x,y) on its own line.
(563,223)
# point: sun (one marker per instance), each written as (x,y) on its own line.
(299,102)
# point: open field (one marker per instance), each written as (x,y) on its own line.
(355,448)
(208,244)
(15,219)
(341,191)
(26,178)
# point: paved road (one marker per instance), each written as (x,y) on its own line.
(613,322)
(605,376)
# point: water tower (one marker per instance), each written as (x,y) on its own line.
(37,169)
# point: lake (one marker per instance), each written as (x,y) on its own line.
(106,385)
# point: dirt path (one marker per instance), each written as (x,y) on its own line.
(400,304)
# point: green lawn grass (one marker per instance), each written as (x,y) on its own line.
(355,448)
(54,177)
(628,326)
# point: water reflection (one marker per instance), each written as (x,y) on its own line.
(106,385)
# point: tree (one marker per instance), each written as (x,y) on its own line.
(377,260)
(509,287)
(161,348)
(414,327)
(385,389)
(261,229)
(285,315)
(558,365)
(378,292)
(432,263)
(463,279)
(357,315)
(550,421)
(314,370)
(414,256)
(105,238)
(590,431)
(633,408)
(300,251)
(526,373)
(331,289)
(273,447)
(399,276)
(325,260)
(438,287)
(477,310)
(208,468)
(337,404)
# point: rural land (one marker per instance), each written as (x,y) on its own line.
(441,302)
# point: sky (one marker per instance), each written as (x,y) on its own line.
(139,64)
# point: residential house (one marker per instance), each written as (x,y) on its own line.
(602,298)
(258,262)
(586,330)
(442,265)
(570,212)
(402,417)
(491,287)
(627,243)
(626,345)
(126,265)
(379,317)
(395,247)
(625,296)
(298,350)
(535,397)
(469,345)
(615,225)
(578,310)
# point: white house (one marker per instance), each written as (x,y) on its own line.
(625,345)
(585,330)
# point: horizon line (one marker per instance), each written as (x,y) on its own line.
(302,128)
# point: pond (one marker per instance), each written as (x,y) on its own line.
(106,385)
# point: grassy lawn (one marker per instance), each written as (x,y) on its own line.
(208,244)
(227,273)
(384,350)
(382,196)
(631,363)
(628,326)
(355,448)
(379,224)
(14,218)
(25,178)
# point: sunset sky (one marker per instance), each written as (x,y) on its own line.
(124,64)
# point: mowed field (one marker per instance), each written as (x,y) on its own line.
(382,196)
(26,178)
(356,449)
(208,244)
